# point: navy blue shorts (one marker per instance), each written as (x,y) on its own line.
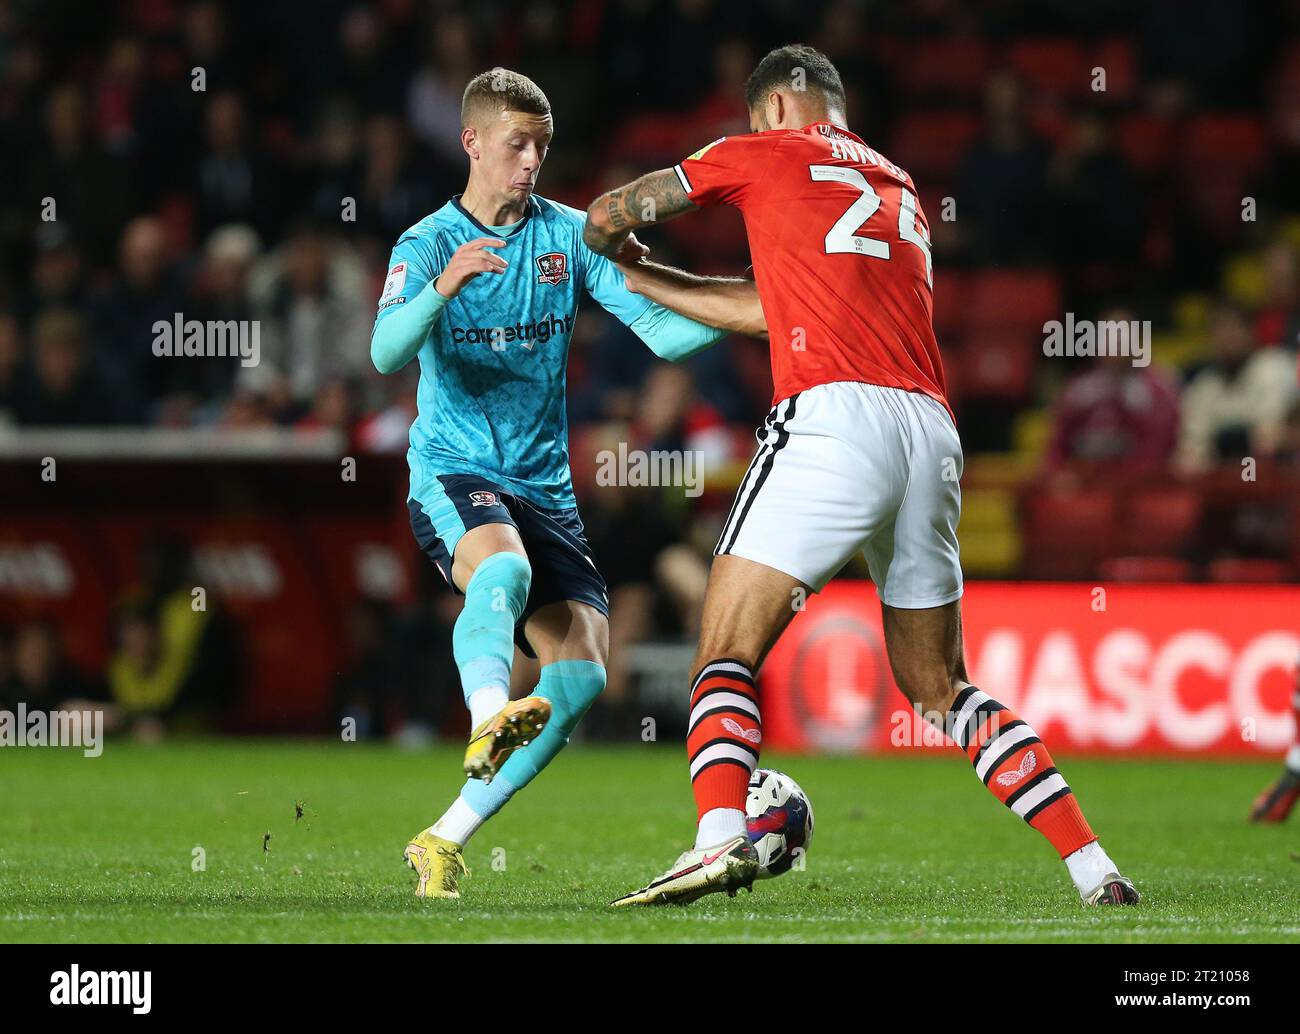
(553,539)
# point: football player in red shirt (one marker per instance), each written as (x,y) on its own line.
(859,453)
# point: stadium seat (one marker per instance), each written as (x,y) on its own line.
(1146,569)
(1238,569)
(951,67)
(1219,157)
(930,144)
(990,535)
(1146,142)
(649,140)
(1162,520)
(1217,198)
(1052,66)
(1014,300)
(1069,533)
(996,470)
(889,50)
(950,294)
(1032,435)
(1117,57)
(998,364)
(585,441)
(1285,93)
(1288,69)
(1224,142)
(1245,281)
(945,236)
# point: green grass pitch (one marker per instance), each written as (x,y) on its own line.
(906,849)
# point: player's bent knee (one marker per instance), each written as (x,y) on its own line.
(568,631)
(592,639)
(507,576)
(479,545)
(482,638)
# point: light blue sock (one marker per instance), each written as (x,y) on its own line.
(483,641)
(570,686)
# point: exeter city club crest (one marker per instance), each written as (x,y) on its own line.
(552,268)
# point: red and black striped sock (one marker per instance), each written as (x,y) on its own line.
(723,734)
(1015,765)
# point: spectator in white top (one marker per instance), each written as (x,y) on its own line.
(1236,404)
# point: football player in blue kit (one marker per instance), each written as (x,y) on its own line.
(483,293)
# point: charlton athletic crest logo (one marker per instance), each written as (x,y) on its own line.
(483,498)
(552,268)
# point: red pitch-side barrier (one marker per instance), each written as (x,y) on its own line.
(288,583)
(1147,669)
(1165,669)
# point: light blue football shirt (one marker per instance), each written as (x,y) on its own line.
(491,396)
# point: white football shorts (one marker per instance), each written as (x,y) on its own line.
(846,466)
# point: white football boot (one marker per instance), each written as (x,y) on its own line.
(706,870)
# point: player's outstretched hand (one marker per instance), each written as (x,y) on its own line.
(631,255)
(470,259)
(631,250)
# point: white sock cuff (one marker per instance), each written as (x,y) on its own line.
(484,702)
(718,825)
(1089,866)
(458,824)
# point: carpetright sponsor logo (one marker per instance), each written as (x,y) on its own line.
(73,986)
(211,339)
(525,335)
(659,468)
(1128,339)
(23,728)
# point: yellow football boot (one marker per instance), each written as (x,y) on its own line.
(439,864)
(514,726)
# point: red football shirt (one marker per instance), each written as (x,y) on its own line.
(841,255)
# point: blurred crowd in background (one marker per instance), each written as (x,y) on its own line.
(1114,160)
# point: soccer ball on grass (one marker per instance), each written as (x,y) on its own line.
(780,820)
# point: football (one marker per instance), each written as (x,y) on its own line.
(780,820)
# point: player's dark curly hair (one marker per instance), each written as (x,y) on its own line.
(499,89)
(796,66)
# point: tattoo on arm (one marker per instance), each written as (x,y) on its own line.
(654,198)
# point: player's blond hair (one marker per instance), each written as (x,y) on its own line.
(499,89)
